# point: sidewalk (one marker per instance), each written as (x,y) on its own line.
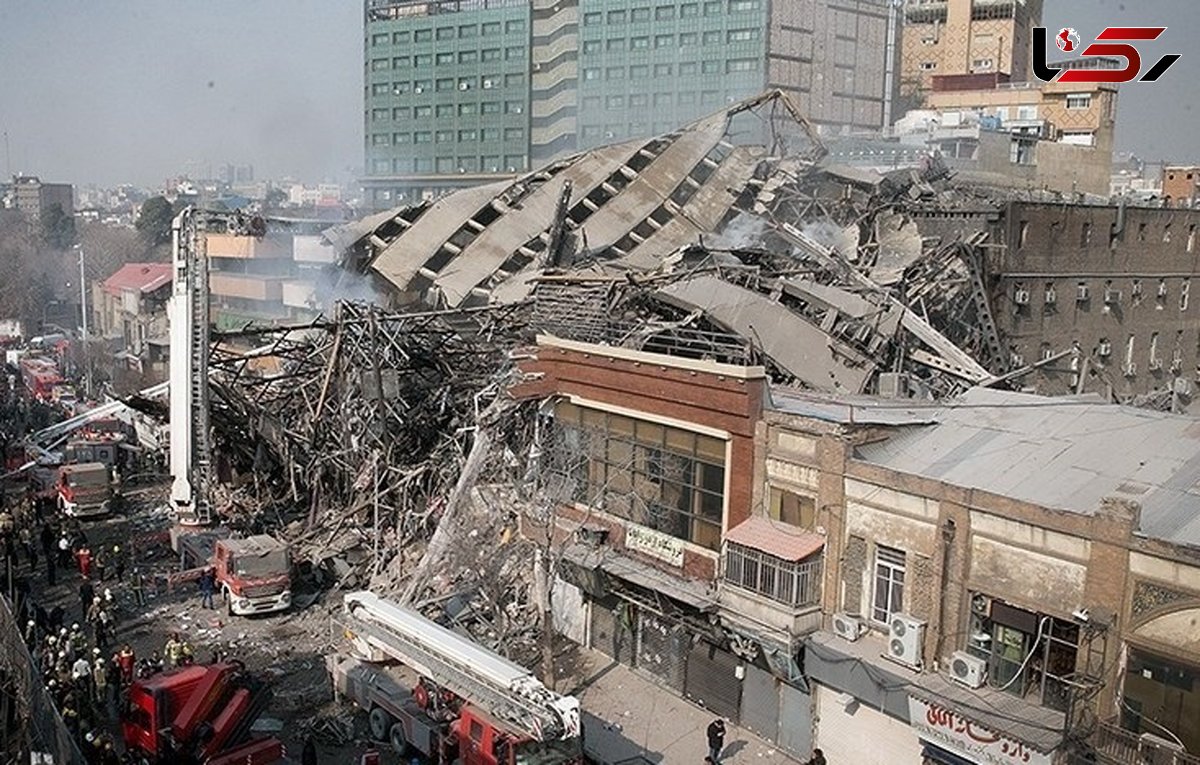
(630,720)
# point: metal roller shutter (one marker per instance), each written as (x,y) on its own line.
(613,624)
(760,703)
(862,735)
(711,680)
(795,720)
(662,647)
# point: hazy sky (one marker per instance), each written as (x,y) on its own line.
(109,91)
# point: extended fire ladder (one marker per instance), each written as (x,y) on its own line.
(191,448)
(487,681)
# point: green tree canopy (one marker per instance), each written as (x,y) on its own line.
(154,220)
(58,228)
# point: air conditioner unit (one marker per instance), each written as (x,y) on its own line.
(494,169)
(1176,365)
(1021,297)
(608,134)
(418,89)
(1051,296)
(1136,290)
(906,639)
(1131,369)
(1155,365)
(847,627)
(1162,289)
(1104,349)
(1016,360)
(512,169)
(488,85)
(1082,294)
(518,109)
(968,670)
(464,86)
(1111,297)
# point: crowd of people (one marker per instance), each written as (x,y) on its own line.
(84,667)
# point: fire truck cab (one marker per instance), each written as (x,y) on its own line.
(197,714)
(84,490)
(254,574)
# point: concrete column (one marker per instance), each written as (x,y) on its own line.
(832,454)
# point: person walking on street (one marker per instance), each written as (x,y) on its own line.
(716,739)
(173,650)
(118,563)
(64,551)
(208,585)
(46,537)
(818,758)
(139,587)
(87,595)
(309,755)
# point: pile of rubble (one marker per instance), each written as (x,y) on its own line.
(376,439)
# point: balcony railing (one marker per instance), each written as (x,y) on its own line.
(1117,746)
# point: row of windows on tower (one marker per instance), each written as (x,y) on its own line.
(670,12)
(1113,293)
(471,135)
(1142,231)
(460,32)
(684,69)
(671,40)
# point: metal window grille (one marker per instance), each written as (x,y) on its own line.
(793,583)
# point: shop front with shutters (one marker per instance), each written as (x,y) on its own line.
(861,709)
(951,738)
(779,712)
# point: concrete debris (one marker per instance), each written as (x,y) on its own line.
(374,440)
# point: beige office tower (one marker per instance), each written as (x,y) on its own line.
(984,37)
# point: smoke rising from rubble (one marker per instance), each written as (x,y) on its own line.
(822,231)
(334,285)
(743,233)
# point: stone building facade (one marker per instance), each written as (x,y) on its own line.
(1049,627)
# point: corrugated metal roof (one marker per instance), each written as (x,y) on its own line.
(138,277)
(1064,453)
(775,538)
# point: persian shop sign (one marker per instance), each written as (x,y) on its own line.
(968,739)
(655,544)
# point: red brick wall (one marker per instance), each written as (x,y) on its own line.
(699,397)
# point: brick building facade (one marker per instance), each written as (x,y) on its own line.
(1112,282)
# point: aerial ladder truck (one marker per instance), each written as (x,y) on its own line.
(469,706)
(187,313)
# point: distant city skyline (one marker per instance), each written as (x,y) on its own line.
(141,91)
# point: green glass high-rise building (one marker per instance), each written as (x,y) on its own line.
(461,92)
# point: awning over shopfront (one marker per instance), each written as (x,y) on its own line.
(689,592)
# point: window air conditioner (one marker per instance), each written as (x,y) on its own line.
(1112,297)
(1021,297)
(967,670)
(1131,369)
(1162,289)
(1081,293)
(1051,296)
(847,627)
(906,639)
(1104,349)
